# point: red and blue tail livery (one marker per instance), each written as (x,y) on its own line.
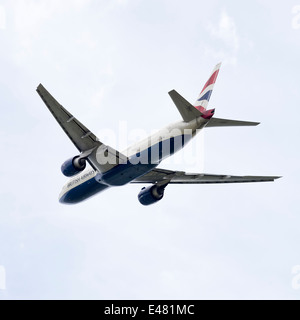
(205,94)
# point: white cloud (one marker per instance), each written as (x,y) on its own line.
(296,17)
(226,31)
(220,55)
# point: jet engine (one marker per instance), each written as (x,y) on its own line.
(73,166)
(151,194)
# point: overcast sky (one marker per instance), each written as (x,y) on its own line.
(112,61)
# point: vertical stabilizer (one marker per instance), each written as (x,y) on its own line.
(204,96)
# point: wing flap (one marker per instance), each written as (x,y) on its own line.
(180,177)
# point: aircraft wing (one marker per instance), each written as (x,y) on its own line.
(84,140)
(82,137)
(179,177)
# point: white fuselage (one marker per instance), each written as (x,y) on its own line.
(143,157)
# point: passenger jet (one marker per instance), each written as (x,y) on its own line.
(98,166)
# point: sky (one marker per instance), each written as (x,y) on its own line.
(111,64)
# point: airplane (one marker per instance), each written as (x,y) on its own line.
(98,166)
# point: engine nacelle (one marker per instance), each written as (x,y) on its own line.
(73,166)
(151,194)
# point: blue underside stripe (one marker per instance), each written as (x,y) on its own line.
(124,173)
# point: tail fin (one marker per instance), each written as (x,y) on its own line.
(204,96)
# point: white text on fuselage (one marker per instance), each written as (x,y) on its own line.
(79,179)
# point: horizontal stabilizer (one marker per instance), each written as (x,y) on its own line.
(216,122)
(187,111)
